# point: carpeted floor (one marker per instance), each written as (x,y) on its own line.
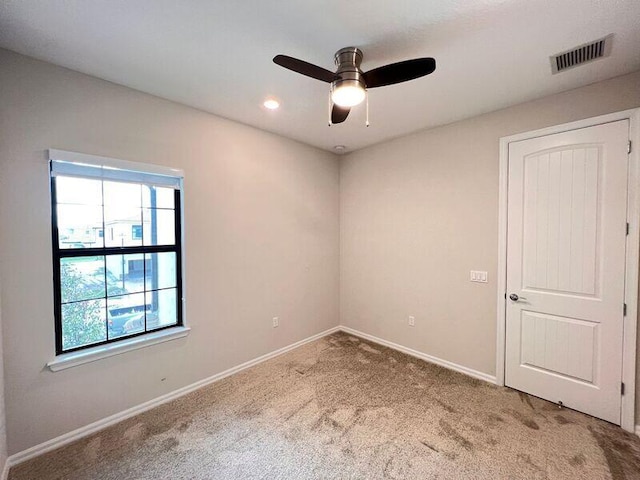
(345,408)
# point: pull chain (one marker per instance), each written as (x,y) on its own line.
(329,110)
(366,93)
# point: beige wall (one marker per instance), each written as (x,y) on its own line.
(261,229)
(3,418)
(419,212)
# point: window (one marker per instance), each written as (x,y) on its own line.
(136,232)
(112,287)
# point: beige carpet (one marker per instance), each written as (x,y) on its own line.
(345,408)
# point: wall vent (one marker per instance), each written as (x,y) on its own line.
(579,55)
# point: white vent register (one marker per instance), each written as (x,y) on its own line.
(582,54)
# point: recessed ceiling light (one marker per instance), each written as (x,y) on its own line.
(271,103)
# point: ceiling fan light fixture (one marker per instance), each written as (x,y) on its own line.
(348,93)
(349,84)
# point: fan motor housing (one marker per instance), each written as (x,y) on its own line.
(348,61)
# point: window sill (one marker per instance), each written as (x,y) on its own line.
(73,359)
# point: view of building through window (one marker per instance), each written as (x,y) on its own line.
(118,253)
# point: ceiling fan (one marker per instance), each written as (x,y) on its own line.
(349,84)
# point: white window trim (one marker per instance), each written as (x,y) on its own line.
(91,354)
(80,357)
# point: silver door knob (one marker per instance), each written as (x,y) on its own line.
(514,297)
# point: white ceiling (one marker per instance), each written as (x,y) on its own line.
(216,54)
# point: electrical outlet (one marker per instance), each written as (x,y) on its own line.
(412,321)
(276,322)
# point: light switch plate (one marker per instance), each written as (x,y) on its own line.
(478,276)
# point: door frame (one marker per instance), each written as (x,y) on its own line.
(627,416)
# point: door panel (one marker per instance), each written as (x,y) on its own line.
(566,264)
(547,340)
(561,219)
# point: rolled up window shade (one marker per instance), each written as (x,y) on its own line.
(90,166)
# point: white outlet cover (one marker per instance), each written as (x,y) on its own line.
(276,322)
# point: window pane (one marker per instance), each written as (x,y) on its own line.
(81,278)
(119,195)
(79,226)
(159,227)
(120,223)
(126,314)
(83,323)
(163,308)
(157,197)
(161,270)
(81,191)
(125,274)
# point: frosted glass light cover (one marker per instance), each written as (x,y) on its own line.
(348,95)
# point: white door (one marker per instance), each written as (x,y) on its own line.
(567,209)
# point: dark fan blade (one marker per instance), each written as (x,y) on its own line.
(305,68)
(399,72)
(339,114)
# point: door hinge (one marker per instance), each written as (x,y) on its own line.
(629,147)
(624,309)
(622,388)
(627,228)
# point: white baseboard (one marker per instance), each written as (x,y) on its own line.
(81,432)
(423,356)
(5,470)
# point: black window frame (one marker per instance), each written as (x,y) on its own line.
(60,253)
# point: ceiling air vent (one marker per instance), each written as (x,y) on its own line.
(582,54)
